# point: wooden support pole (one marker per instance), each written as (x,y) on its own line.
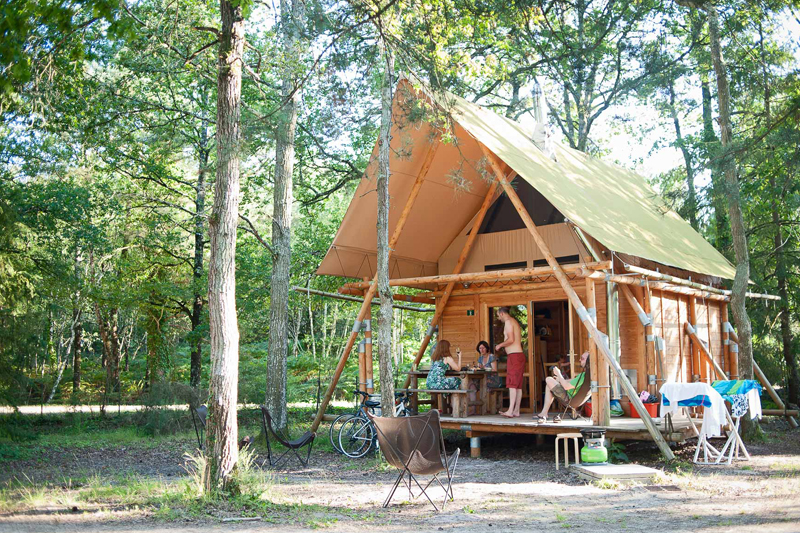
(703,349)
(475,277)
(370,363)
(657,285)
(694,354)
(396,297)
(772,393)
(362,366)
(780,412)
(362,313)
(462,258)
(726,339)
(686,283)
(600,340)
(650,344)
(601,415)
(375,301)
(733,346)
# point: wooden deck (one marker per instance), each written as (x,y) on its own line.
(620,428)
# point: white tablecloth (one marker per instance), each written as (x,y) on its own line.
(713,416)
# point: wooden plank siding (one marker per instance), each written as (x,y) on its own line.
(631,333)
(461,329)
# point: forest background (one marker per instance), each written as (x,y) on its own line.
(108,162)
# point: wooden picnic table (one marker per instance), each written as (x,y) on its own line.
(463,403)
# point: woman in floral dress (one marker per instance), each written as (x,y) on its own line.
(441,362)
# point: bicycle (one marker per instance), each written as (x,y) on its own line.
(336,425)
(357,434)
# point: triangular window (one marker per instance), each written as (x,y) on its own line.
(502,216)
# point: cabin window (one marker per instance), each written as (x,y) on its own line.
(506,266)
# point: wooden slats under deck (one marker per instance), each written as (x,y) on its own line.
(620,428)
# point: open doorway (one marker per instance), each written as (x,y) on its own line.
(520,312)
(551,341)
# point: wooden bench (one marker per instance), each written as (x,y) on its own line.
(458,400)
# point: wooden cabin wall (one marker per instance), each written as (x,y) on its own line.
(460,327)
(631,333)
(670,313)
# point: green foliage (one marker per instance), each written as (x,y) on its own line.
(616,453)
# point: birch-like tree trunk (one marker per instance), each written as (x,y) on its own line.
(691,200)
(77,334)
(222,429)
(282,200)
(738,231)
(384,290)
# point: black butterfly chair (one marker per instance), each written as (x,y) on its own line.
(307,439)
(199,415)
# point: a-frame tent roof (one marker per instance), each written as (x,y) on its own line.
(614,205)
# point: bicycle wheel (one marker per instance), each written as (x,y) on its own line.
(356,437)
(336,426)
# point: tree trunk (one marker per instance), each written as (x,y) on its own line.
(112,362)
(77,334)
(196,318)
(222,429)
(282,199)
(690,207)
(385,292)
(738,232)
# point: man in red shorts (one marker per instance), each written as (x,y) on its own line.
(515,363)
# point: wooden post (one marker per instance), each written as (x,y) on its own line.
(697,345)
(370,364)
(732,356)
(774,395)
(600,340)
(362,313)
(473,234)
(695,352)
(598,408)
(362,367)
(650,344)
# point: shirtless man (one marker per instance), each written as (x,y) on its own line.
(515,363)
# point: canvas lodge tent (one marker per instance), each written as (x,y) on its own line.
(585,254)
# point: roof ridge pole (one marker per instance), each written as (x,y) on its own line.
(362,313)
(598,338)
(487,201)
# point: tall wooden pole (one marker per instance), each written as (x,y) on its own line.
(594,363)
(369,362)
(600,340)
(362,313)
(487,201)
(695,350)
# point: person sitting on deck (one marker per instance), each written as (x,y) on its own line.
(441,362)
(564,390)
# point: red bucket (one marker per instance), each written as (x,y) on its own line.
(652,409)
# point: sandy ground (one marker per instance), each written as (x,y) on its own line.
(514,488)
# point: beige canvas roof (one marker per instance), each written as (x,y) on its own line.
(614,205)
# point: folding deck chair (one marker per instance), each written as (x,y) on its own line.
(307,439)
(580,397)
(415,446)
(199,415)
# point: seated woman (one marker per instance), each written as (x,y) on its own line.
(441,362)
(486,360)
(564,390)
